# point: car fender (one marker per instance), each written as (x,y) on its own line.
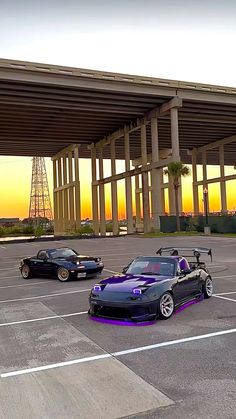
(157,290)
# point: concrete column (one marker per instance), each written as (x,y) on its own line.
(65,195)
(128,188)
(145,186)
(102,196)
(77,190)
(71,192)
(156,195)
(60,199)
(174,134)
(137,204)
(163,206)
(222,181)
(195,187)
(114,202)
(55,196)
(94,191)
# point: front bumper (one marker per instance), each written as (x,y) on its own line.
(123,311)
(86,272)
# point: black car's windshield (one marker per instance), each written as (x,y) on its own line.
(152,266)
(62,253)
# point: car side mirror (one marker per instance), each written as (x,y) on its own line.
(186,271)
(125,269)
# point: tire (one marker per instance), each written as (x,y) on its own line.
(63,274)
(25,271)
(166,306)
(208,288)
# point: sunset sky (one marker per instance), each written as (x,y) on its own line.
(195,42)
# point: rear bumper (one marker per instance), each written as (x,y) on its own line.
(123,311)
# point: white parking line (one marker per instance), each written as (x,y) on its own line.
(44,296)
(43,318)
(225,293)
(224,298)
(25,285)
(116,354)
(108,270)
(9,269)
(225,276)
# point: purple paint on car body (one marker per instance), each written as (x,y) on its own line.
(126,283)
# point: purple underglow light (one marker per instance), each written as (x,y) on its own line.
(122,322)
(186,305)
(143,323)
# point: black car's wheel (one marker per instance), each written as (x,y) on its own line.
(25,271)
(63,274)
(208,288)
(166,306)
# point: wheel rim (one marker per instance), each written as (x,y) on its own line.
(166,305)
(25,271)
(209,287)
(63,274)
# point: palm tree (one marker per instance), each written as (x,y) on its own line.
(175,170)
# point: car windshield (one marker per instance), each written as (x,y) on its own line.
(62,253)
(152,266)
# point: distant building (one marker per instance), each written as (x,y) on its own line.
(7,222)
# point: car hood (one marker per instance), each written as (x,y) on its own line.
(126,283)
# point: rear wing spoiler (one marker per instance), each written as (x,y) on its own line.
(195,251)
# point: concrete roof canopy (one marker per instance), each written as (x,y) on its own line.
(45,108)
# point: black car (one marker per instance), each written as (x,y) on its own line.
(152,286)
(63,263)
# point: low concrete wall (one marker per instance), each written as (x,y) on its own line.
(218,223)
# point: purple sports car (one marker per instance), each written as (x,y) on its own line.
(152,286)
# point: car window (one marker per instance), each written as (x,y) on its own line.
(151,266)
(62,253)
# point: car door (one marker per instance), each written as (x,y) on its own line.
(43,265)
(187,284)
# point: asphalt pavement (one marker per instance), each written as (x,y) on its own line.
(57,362)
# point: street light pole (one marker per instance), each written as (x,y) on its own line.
(205,199)
(207,228)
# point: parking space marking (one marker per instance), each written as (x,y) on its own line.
(224,298)
(224,276)
(44,296)
(108,270)
(9,269)
(225,293)
(57,316)
(25,285)
(116,354)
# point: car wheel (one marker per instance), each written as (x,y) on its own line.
(208,288)
(63,274)
(25,271)
(166,306)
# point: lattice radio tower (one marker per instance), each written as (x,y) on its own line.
(40,203)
